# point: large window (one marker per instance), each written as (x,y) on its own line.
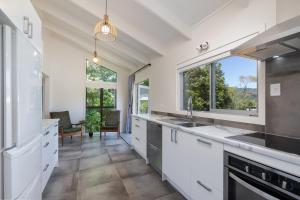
(143,97)
(101,92)
(226,85)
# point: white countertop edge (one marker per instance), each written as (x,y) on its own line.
(279,155)
(46,123)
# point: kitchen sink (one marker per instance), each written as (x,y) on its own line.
(192,124)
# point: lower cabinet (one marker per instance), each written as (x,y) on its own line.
(49,152)
(194,165)
(139,136)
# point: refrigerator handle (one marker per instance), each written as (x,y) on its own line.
(7,61)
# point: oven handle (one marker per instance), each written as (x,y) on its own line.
(252,188)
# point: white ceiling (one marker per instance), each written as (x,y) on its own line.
(145,27)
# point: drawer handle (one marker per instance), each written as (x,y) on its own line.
(46,167)
(175,137)
(25,25)
(55,134)
(137,119)
(46,144)
(56,125)
(137,139)
(46,133)
(55,151)
(137,126)
(30,30)
(204,186)
(203,142)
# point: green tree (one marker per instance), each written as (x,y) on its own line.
(95,72)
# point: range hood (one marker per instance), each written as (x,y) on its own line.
(279,40)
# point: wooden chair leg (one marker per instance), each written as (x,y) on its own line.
(105,134)
(62,140)
(100,135)
(71,137)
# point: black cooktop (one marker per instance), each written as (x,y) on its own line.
(281,143)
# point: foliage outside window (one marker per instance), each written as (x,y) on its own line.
(143,97)
(100,92)
(229,84)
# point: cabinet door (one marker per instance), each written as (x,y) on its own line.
(176,158)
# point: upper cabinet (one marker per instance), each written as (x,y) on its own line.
(24,16)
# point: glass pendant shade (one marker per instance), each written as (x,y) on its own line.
(105,31)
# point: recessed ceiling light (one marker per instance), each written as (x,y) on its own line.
(275,56)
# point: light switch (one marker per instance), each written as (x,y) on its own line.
(275,90)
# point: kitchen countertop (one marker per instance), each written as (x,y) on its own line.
(220,133)
(48,122)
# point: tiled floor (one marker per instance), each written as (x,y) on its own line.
(104,170)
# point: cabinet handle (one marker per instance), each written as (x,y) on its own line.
(137,139)
(204,186)
(137,119)
(55,151)
(176,136)
(171,135)
(46,133)
(55,134)
(203,142)
(56,125)
(46,144)
(137,126)
(30,30)
(45,168)
(25,25)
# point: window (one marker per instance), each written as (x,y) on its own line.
(226,85)
(143,97)
(101,92)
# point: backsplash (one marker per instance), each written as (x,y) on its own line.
(241,125)
(283,112)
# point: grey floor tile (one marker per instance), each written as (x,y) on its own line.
(114,190)
(96,161)
(133,168)
(173,196)
(65,196)
(115,149)
(95,176)
(123,156)
(66,167)
(92,152)
(147,187)
(69,154)
(60,185)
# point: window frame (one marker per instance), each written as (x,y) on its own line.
(137,110)
(254,113)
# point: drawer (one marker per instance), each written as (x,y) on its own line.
(140,146)
(201,191)
(139,127)
(46,173)
(207,164)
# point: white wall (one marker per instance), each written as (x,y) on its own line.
(229,24)
(64,63)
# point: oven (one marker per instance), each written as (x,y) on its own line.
(154,145)
(248,180)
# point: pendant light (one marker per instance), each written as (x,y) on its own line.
(104,29)
(95,56)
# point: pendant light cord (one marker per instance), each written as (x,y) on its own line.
(106,7)
(95,44)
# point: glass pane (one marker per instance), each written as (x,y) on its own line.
(95,72)
(92,97)
(235,84)
(196,83)
(109,98)
(143,97)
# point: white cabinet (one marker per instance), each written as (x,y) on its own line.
(176,159)
(24,16)
(49,151)
(206,168)
(139,136)
(194,165)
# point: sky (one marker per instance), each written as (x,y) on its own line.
(234,67)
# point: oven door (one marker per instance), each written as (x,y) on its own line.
(241,187)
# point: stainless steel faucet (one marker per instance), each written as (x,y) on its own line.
(189,114)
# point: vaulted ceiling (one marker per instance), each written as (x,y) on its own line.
(145,27)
